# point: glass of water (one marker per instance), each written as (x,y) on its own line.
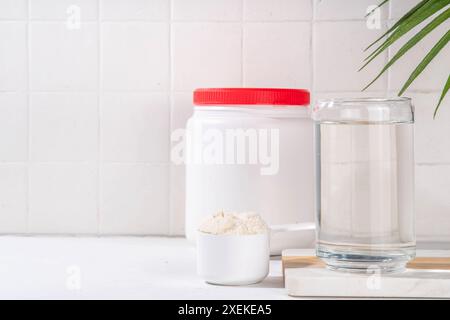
(365,183)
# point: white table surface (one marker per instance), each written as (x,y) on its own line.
(114,268)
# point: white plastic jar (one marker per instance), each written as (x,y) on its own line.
(251,150)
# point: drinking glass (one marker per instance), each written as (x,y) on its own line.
(365,183)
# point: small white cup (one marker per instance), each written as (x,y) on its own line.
(237,259)
(233,259)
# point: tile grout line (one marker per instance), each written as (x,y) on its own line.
(389,71)
(86,162)
(149,92)
(386,60)
(242,42)
(28,87)
(199,21)
(170,221)
(99,144)
(312,50)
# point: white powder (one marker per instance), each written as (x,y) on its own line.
(246,223)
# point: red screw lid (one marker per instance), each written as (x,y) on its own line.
(251,96)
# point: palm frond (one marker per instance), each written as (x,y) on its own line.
(377,7)
(441,18)
(400,21)
(426,61)
(421,14)
(425,9)
(444,93)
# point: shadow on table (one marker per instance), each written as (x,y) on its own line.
(270,282)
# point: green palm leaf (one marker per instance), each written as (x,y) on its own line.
(418,14)
(412,42)
(426,61)
(377,7)
(444,93)
(421,14)
(400,21)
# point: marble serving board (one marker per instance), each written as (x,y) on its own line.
(305,276)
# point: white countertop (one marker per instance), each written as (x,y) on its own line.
(114,268)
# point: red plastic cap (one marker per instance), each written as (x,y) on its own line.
(251,96)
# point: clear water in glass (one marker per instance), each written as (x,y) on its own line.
(365,194)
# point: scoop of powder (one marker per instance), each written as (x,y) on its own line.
(246,223)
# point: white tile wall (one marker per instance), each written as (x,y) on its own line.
(91,89)
(351,10)
(338,53)
(210,10)
(63,59)
(429,133)
(181,110)
(13,127)
(433,167)
(61,9)
(13,9)
(125,51)
(63,127)
(434,77)
(134,199)
(277,55)
(146,10)
(277,10)
(13,198)
(63,198)
(135,127)
(13,56)
(194,65)
(177,197)
(433,202)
